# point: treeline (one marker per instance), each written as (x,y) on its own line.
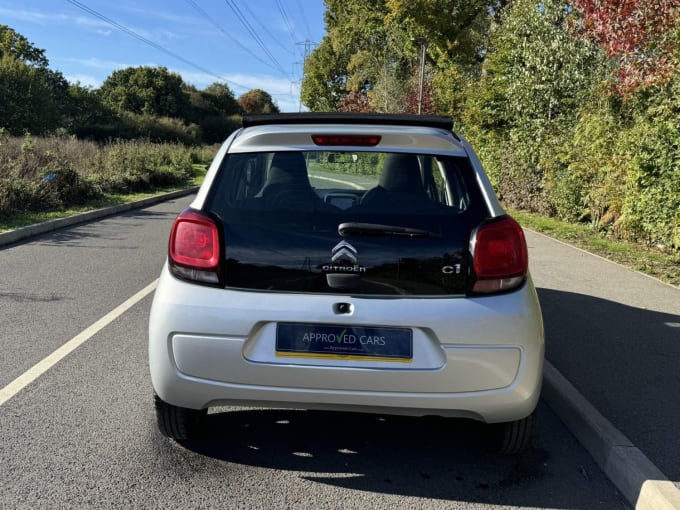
(136,102)
(574,106)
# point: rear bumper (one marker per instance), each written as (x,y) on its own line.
(480,358)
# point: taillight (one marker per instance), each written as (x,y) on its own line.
(499,256)
(194,249)
(347,140)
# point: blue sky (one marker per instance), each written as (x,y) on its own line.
(203,40)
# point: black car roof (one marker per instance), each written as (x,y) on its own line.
(434,121)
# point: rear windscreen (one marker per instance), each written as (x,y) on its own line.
(354,183)
(361,222)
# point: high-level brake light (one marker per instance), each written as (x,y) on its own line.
(347,140)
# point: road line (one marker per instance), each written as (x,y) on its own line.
(43,366)
(339,181)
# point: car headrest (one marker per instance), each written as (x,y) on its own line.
(288,168)
(401,172)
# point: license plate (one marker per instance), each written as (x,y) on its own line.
(344,342)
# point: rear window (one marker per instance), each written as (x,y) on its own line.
(311,221)
(353,184)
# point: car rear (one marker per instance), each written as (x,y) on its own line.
(352,263)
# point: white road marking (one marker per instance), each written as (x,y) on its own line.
(339,181)
(43,366)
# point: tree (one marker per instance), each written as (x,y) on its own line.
(325,78)
(452,28)
(32,97)
(257,101)
(637,35)
(146,90)
(215,100)
(356,102)
(371,47)
(213,110)
(536,73)
(15,45)
(222,98)
(85,109)
(350,55)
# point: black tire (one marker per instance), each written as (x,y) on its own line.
(179,422)
(514,437)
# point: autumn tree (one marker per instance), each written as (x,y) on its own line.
(355,102)
(639,36)
(257,101)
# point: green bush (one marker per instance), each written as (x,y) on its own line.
(651,209)
(216,129)
(132,126)
(39,174)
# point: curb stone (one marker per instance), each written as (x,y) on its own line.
(633,474)
(44,227)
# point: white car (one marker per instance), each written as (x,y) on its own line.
(352,262)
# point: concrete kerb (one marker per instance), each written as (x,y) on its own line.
(29,231)
(633,474)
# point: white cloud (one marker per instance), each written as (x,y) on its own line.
(41,18)
(97,26)
(239,83)
(97,63)
(84,79)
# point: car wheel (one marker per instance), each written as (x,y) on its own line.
(179,422)
(514,437)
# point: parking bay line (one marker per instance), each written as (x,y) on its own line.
(45,364)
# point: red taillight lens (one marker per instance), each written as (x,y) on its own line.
(195,246)
(347,140)
(499,254)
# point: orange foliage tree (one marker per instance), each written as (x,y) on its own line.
(639,36)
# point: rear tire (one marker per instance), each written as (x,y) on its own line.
(514,437)
(179,422)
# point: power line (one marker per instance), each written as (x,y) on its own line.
(267,30)
(304,19)
(286,19)
(254,34)
(198,8)
(154,45)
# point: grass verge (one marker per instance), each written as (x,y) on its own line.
(18,220)
(662,265)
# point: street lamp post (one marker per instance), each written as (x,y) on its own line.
(423,46)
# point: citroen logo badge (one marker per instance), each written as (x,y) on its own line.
(344,251)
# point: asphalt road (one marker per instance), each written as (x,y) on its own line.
(615,335)
(82,435)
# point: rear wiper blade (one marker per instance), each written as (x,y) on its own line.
(373,229)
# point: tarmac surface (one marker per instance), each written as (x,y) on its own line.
(614,334)
(613,371)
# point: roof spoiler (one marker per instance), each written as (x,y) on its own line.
(434,121)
